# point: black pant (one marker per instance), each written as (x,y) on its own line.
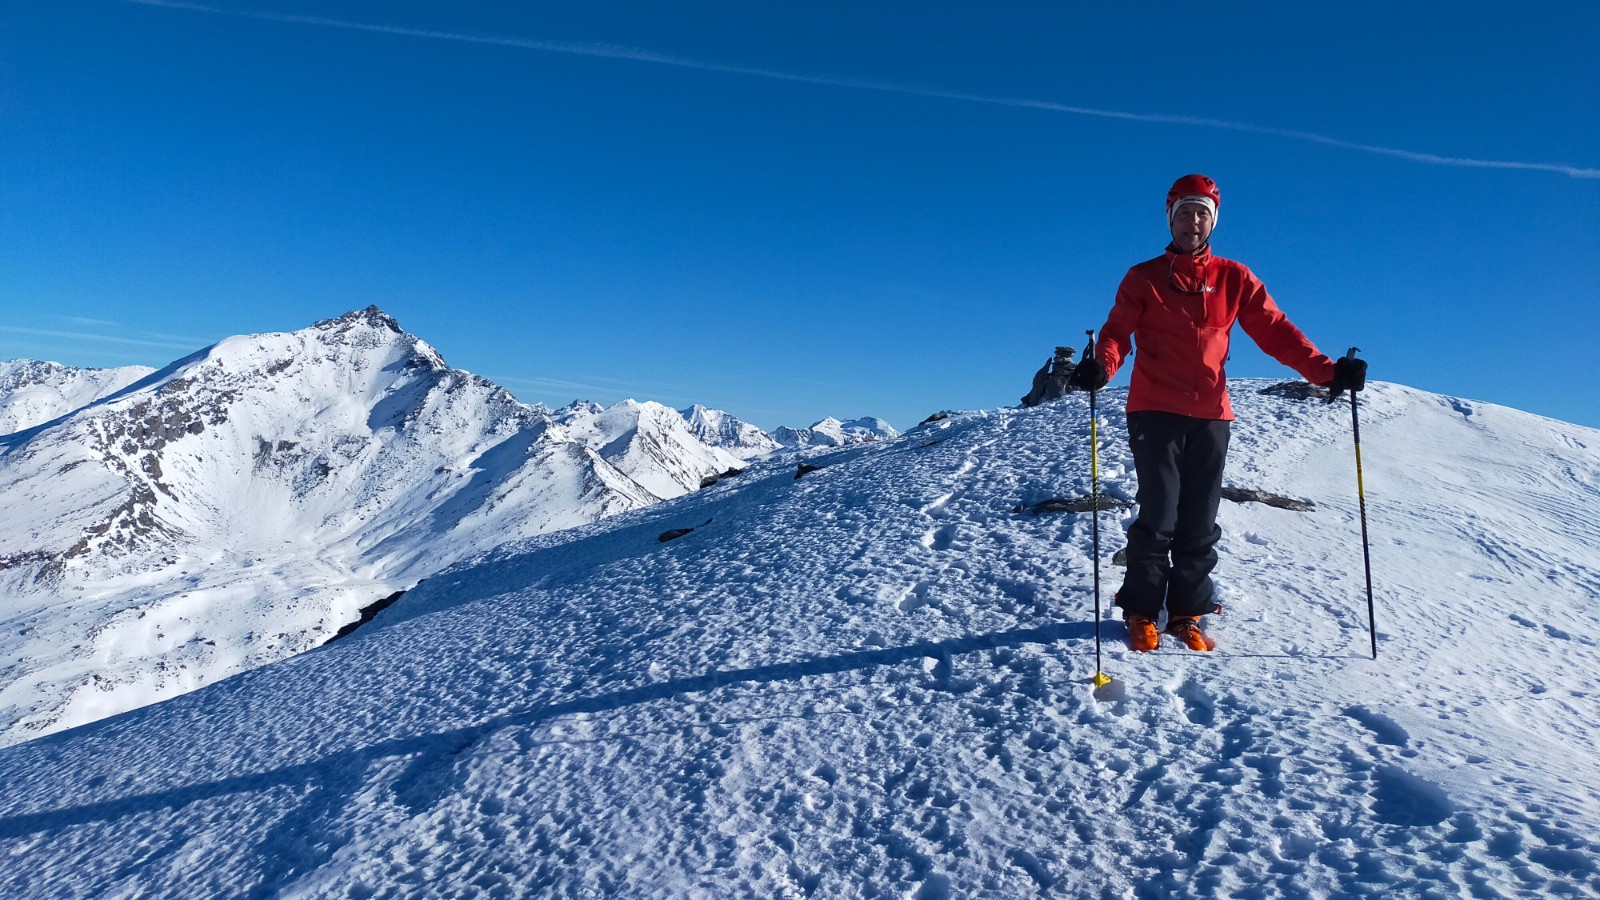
(1179,462)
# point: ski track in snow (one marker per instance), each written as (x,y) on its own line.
(871,682)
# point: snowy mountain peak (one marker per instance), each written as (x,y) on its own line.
(649,442)
(831,432)
(33,392)
(578,408)
(720,429)
(371,317)
(870,425)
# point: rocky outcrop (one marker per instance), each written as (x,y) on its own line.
(1050,382)
(1296,390)
(1073,505)
(1251,495)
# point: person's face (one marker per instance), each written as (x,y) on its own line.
(1191,227)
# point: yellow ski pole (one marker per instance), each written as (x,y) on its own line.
(1101,679)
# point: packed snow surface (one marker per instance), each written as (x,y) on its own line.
(871,681)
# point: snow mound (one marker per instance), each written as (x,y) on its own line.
(872,682)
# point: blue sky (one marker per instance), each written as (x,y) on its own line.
(797,210)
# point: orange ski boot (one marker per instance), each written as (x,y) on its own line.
(1187,629)
(1142,634)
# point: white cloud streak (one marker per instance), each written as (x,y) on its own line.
(637,54)
(559,387)
(100,338)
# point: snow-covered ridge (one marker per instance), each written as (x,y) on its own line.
(831,432)
(33,392)
(244,503)
(871,682)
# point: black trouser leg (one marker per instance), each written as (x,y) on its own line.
(1194,545)
(1172,547)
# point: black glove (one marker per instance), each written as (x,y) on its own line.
(1349,374)
(1088,375)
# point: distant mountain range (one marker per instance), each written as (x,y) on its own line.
(165,529)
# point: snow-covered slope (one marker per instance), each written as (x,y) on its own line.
(716,428)
(34,392)
(831,432)
(245,503)
(871,682)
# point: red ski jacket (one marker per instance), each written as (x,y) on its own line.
(1180,310)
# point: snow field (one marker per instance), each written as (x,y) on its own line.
(871,682)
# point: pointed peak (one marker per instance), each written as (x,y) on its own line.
(372,317)
(579,407)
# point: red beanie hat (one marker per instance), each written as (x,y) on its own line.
(1194,189)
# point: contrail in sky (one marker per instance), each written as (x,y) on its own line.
(636,54)
(102,338)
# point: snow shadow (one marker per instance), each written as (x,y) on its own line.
(348,765)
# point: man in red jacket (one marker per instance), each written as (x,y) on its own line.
(1180,308)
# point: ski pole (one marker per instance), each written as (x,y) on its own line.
(1101,679)
(1361,492)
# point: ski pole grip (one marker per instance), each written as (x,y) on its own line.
(1357,370)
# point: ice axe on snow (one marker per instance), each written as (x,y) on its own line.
(1104,687)
(1361,492)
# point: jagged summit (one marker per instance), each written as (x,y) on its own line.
(372,317)
(578,408)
